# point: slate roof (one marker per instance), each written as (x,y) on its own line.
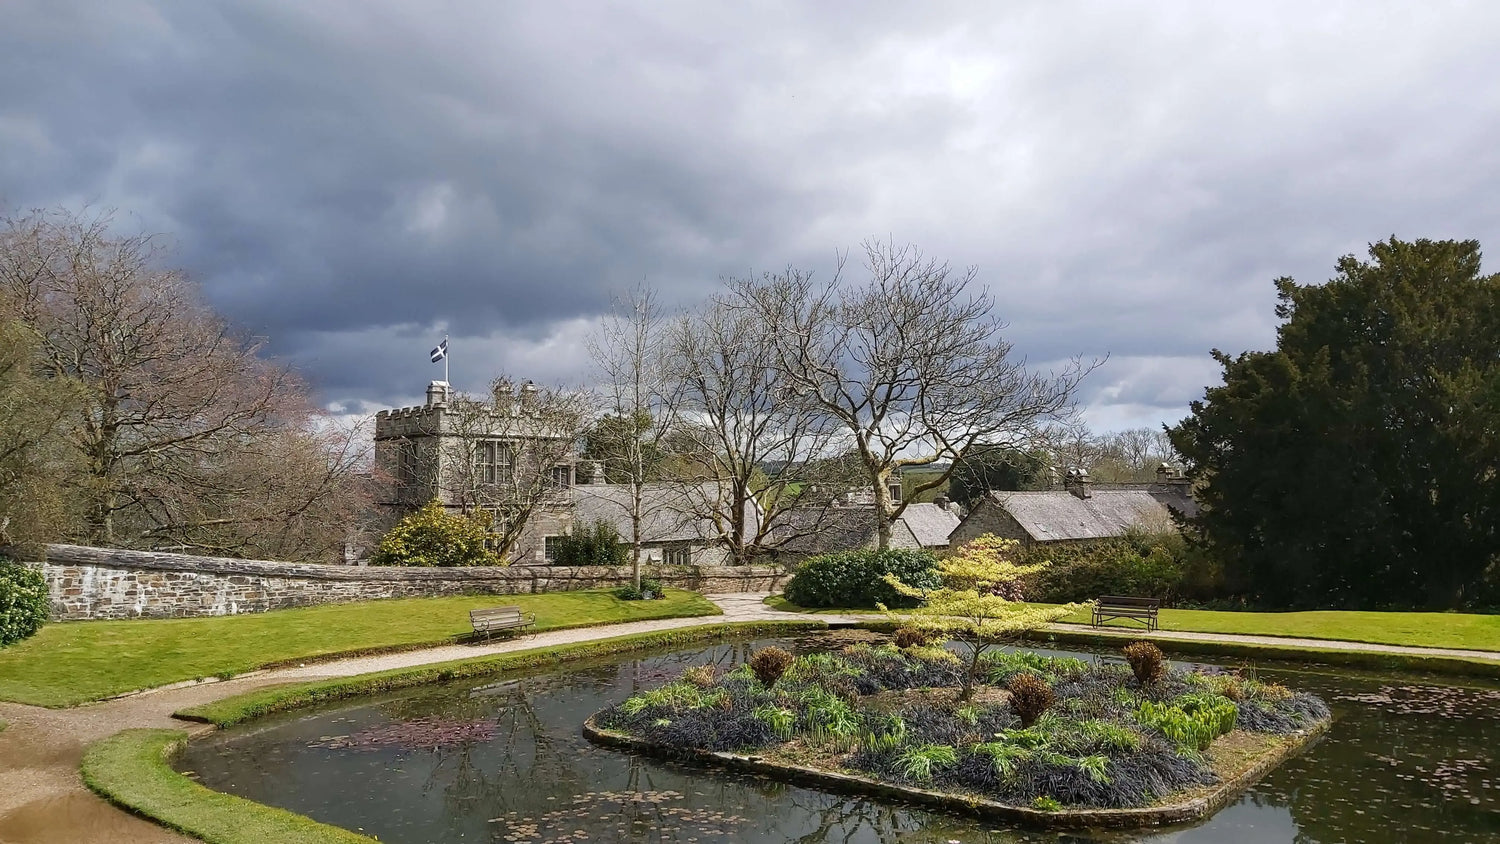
(805,531)
(930,524)
(670,510)
(1054,515)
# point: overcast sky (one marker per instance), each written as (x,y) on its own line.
(354,179)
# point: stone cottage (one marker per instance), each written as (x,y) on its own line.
(1082,511)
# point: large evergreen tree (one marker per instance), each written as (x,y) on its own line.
(1356,465)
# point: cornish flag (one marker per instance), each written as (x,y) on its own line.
(441,351)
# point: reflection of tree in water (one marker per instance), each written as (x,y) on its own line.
(515,760)
(1402,762)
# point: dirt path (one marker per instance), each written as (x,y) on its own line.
(43,799)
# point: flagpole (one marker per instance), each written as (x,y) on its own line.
(445,364)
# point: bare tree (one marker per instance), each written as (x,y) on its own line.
(172,399)
(912,365)
(1128,456)
(1071,445)
(757,443)
(628,353)
(33,456)
(287,493)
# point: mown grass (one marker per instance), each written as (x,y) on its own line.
(1412,629)
(130,770)
(1371,660)
(230,711)
(780,603)
(72,663)
(1464,631)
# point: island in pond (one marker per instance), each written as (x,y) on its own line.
(1051,741)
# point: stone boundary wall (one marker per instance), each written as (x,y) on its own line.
(105,583)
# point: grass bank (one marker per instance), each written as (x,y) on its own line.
(1372,660)
(131,770)
(244,707)
(780,603)
(1465,631)
(76,662)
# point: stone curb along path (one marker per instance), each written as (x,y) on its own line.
(43,799)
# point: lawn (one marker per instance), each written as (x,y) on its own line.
(1413,629)
(75,662)
(777,602)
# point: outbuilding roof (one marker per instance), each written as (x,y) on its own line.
(1055,515)
(930,524)
(670,512)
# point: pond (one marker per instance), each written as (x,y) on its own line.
(1407,759)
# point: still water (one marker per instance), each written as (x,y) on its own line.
(1407,760)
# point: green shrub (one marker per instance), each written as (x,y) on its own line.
(23,601)
(650,590)
(997,667)
(856,578)
(1191,722)
(434,537)
(920,763)
(1141,563)
(598,544)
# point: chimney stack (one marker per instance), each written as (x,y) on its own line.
(596,472)
(1077,482)
(1171,476)
(504,397)
(437,393)
(528,397)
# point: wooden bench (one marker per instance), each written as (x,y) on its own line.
(487,621)
(1120,606)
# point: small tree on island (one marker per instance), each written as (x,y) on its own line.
(979,602)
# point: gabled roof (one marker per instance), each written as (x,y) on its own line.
(1053,515)
(671,512)
(817,530)
(930,524)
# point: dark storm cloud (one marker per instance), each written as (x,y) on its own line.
(352,179)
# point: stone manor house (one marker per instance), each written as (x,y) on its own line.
(506,456)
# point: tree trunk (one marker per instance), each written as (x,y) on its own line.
(635,535)
(737,524)
(882,510)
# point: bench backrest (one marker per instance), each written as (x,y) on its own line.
(495,614)
(1124,601)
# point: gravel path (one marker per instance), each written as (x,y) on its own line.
(43,800)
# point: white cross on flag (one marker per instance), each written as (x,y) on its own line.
(441,351)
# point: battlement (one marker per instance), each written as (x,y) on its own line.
(409,421)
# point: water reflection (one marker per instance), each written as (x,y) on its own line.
(1406,760)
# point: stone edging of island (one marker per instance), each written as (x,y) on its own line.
(1196,808)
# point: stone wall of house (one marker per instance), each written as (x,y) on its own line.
(100,583)
(988,517)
